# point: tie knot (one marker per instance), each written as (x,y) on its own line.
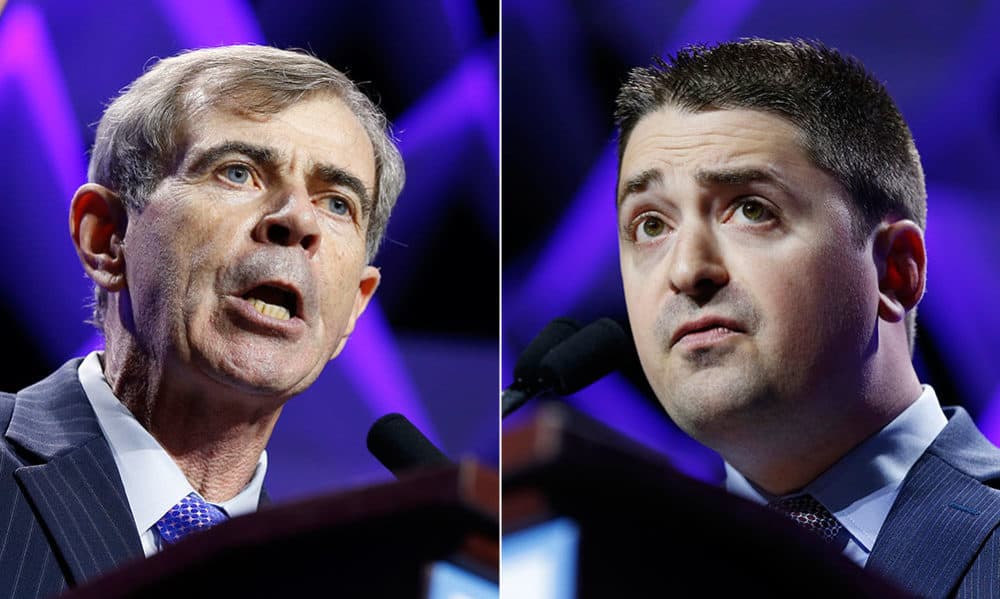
(191,514)
(810,514)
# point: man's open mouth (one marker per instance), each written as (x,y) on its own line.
(272,301)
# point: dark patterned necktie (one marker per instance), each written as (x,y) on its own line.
(809,514)
(191,514)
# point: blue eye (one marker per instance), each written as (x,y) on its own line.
(237,173)
(338,206)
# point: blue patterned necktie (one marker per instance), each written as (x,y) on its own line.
(191,514)
(810,514)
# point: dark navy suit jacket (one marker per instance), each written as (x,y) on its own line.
(941,537)
(64,516)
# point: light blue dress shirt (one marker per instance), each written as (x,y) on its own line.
(860,488)
(153,481)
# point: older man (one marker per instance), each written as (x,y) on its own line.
(771,209)
(236,198)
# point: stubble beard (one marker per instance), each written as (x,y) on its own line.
(722,405)
(718,392)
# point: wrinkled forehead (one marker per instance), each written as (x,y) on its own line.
(203,96)
(255,102)
(676,140)
(323,117)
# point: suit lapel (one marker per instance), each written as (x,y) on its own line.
(74,487)
(84,509)
(943,513)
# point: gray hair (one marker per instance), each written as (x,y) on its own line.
(142,133)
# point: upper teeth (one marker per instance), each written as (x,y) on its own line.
(279,312)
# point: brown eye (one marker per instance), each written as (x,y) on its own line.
(652,227)
(752,211)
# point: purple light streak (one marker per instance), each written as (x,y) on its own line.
(462,21)
(27,57)
(435,133)
(710,21)
(962,284)
(583,245)
(466,98)
(203,24)
(989,419)
(372,362)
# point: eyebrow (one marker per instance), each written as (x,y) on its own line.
(262,155)
(268,159)
(730,177)
(639,183)
(736,177)
(333,175)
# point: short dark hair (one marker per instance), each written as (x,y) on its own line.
(850,126)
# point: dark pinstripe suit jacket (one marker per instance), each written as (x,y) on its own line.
(63,512)
(941,537)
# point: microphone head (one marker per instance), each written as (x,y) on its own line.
(400,446)
(596,350)
(554,333)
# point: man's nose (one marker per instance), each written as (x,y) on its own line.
(291,221)
(696,265)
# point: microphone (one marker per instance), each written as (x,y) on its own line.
(400,446)
(554,333)
(568,366)
(598,349)
(527,382)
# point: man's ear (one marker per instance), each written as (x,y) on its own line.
(902,268)
(97,223)
(370,278)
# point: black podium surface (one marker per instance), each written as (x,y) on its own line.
(377,541)
(644,530)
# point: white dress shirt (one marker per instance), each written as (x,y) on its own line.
(153,482)
(861,487)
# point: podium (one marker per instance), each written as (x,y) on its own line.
(588,513)
(380,541)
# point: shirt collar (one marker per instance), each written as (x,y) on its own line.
(860,488)
(153,482)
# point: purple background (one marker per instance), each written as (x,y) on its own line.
(562,64)
(427,347)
